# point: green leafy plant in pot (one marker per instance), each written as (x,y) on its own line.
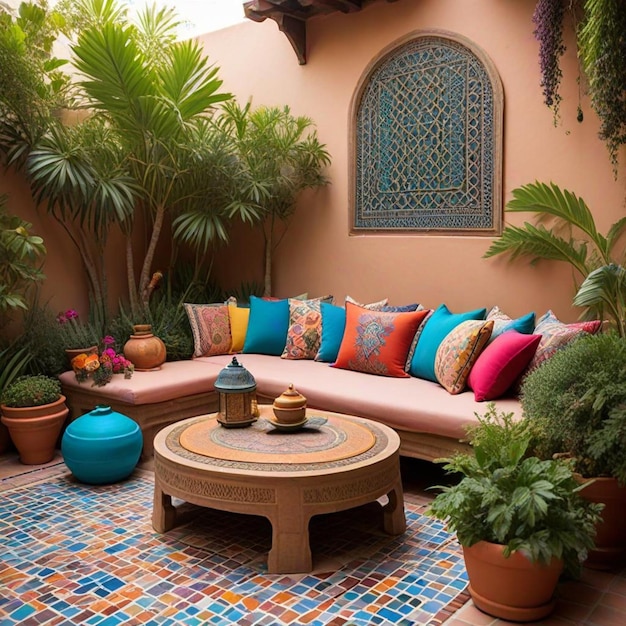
(520,520)
(34,410)
(576,406)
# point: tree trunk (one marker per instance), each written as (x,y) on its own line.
(144,281)
(267,290)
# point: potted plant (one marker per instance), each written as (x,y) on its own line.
(576,406)
(77,337)
(33,409)
(519,519)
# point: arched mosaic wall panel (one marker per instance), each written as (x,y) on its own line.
(426,141)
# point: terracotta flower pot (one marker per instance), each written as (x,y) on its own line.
(72,352)
(513,588)
(610,540)
(35,430)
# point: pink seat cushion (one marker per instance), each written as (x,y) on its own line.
(406,404)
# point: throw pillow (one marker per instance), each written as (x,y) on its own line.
(267,326)
(404,308)
(376,342)
(210,326)
(303,334)
(373,306)
(555,335)
(503,323)
(438,325)
(458,352)
(333,326)
(501,363)
(238,326)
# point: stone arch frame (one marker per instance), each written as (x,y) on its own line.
(398,186)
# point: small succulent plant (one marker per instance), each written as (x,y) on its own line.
(28,391)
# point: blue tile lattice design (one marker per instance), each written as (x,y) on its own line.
(428,141)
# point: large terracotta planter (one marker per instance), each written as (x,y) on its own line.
(35,430)
(512,588)
(610,540)
(144,349)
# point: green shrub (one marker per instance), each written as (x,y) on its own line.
(576,405)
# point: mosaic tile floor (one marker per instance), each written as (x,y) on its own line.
(78,554)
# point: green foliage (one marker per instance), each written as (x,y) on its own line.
(280,156)
(602,50)
(573,238)
(576,405)
(13,362)
(32,85)
(20,254)
(28,391)
(507,497)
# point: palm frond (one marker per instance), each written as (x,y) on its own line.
(537,242)
(605,289)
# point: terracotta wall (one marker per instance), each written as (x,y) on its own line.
(318,254)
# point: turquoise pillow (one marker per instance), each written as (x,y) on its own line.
(438,325)
(333,326)
(267,326)
(524,325)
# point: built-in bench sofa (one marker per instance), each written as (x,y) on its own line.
(430,421)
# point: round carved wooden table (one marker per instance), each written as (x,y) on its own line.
(335,462)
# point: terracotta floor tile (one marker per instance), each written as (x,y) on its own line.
(606,616)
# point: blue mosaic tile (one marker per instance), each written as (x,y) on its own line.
(88,554)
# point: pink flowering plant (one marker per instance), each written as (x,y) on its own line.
(75,334)
(102,367)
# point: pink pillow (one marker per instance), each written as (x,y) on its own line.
(501,363)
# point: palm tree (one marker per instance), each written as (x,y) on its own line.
(154,92)
(280,155)
(572,238)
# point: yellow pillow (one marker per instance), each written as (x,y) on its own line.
(238,326)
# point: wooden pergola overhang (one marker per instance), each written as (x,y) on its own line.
(292,15)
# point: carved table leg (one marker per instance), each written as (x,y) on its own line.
(163,512)
(394,521)
(291,551)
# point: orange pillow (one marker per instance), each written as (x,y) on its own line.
(377,342)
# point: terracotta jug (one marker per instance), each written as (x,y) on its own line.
(145,350)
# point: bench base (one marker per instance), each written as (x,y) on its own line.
(151,418)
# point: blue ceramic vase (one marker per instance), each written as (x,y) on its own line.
(102,446)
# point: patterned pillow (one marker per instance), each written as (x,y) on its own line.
(303,334)
(373,306)
(458,352)
(210,326)
(555,335)
(404,308)
(333,327)
(501,363)
(239,317)
(376,342)
(503,323)
(439,324)
(267,326)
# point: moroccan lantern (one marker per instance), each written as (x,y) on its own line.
(237,390)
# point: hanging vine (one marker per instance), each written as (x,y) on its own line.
(548,20)
(600,27)
(602,48)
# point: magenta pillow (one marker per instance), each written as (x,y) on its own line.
(501,363)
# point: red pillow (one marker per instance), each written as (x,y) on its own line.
(501,363)
(377,342)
